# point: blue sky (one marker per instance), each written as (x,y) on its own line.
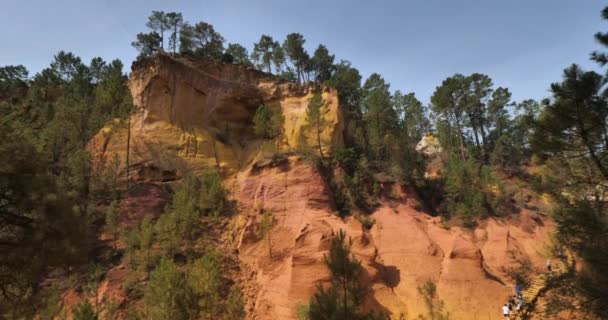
(414,44)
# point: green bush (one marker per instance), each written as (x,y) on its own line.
(471,191)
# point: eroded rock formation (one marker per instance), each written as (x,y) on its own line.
(197,114)
(404,249)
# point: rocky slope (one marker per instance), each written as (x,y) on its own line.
(196,114)
(403,249)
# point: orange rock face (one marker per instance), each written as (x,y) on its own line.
(404,249)
(195,114)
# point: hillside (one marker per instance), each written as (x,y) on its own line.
(199,114)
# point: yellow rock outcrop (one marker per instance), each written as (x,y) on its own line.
(198,113)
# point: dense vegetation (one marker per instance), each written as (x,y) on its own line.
(55,199)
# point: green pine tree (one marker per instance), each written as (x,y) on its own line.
(205,277)
(167,295)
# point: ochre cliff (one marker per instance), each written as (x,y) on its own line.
(404,249)
(196,114)
(199,113)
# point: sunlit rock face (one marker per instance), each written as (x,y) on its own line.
(199,113)
(429,145)
(196,114)
(431,148)
(405,248)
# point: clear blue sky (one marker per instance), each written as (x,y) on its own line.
(414,44)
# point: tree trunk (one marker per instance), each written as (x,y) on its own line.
(319,142)
(460,136)
(474,126)
(269,245)
(483,138)
(344,299)
(128,150)
(594,157)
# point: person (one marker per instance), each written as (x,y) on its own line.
(518,290)
(520,305)
(505,311)
(549,265)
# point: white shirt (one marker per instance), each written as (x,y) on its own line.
(505,310)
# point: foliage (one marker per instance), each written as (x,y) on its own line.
(428,291)
(322,64)
(268,123)
(205,278)
(167,295)
(112,221)
(263,53)
(147,44)
(294,49)
(471,191)
(234,305)
(201,40)
(212,194)
(315,119)
(265,227)
(342,300)
(84,311)
(239,54)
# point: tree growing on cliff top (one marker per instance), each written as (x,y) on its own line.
(263,52)
(322,63)
(294,49)
(315,119)
(157,22)
(239,54)
(147,44)
(174,22)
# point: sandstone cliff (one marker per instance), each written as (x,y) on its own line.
(403,249)
(196,114)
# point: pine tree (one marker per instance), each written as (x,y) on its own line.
(449,102)
(84,311)
(205,277)
(112,221)
(315,119)
(294,49)
(173,22)
(263,53)
(428,291)
(379,116)
(239,54)
(147,44)
(265,227)
(342,300)
(146,240)
(234,305)
(323,64)
(167,295)
(212,194)
(157,22)
(269,123)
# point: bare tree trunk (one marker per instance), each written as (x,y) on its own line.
(460,136)
(319,143)
(128,150)
(269,245)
